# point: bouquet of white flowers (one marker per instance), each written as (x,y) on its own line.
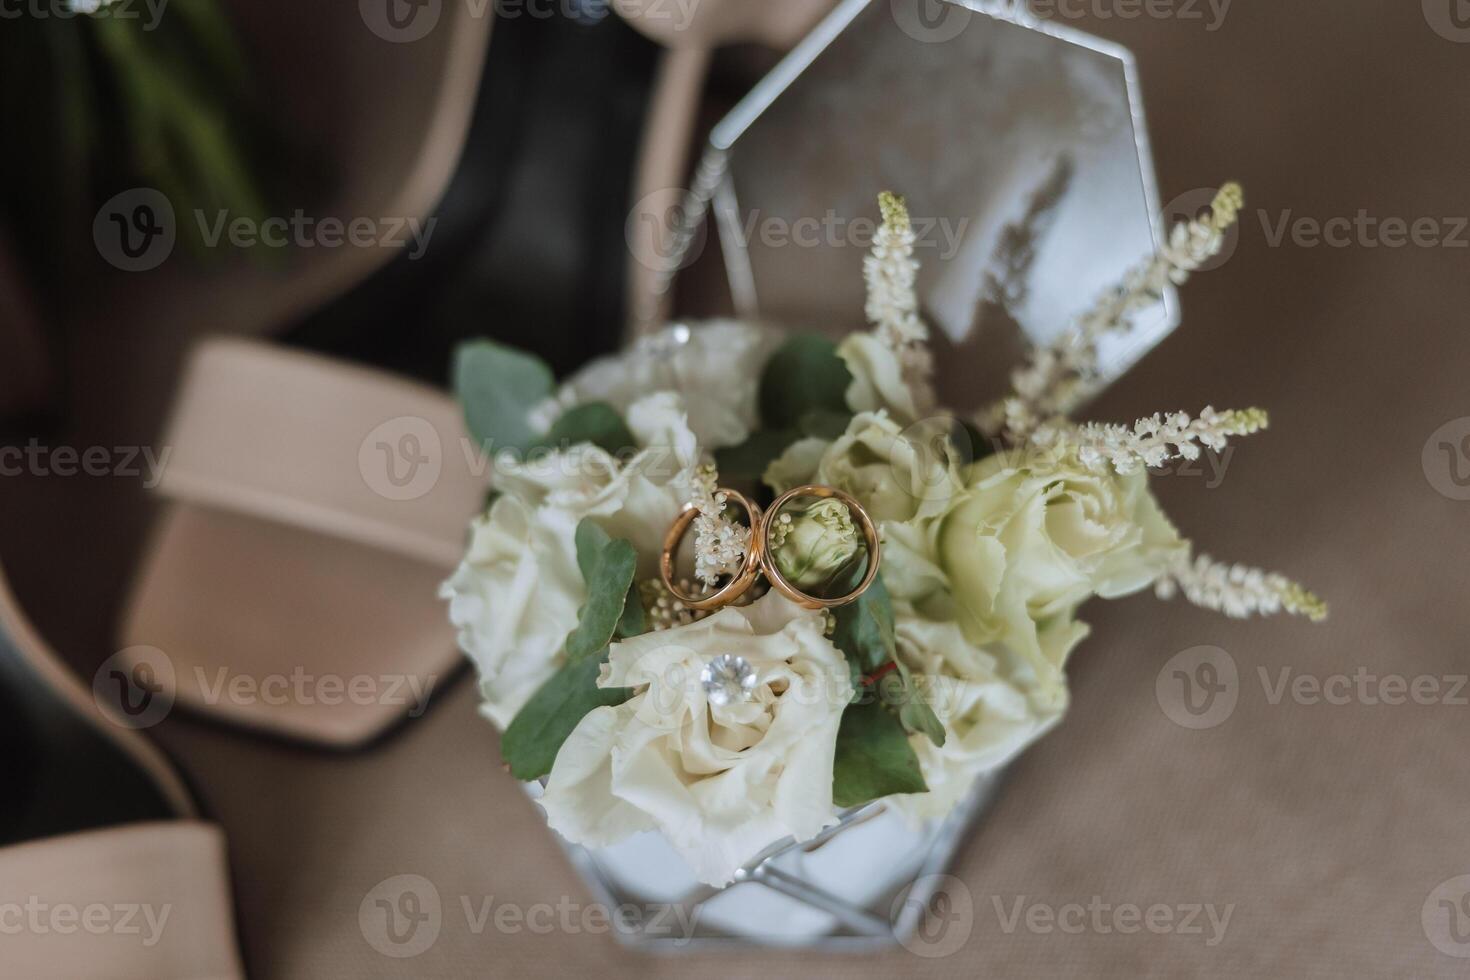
(925,572)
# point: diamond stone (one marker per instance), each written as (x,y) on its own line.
(727,678)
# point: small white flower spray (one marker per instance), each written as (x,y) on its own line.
(1058,376)
(1155,440)
(1237,590)
(720,545)
(891,271)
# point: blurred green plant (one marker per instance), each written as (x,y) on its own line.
(97,103)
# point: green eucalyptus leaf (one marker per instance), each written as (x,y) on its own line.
(900,690)
(874,757)
(865,628)
(747,462)
(595,422)
(498,385)
(609,568)
(591,540)
(533,739)
(919,719)
(825,423)
(805,374)
(634,621)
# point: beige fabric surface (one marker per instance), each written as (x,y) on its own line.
(1327,827)
(147,900)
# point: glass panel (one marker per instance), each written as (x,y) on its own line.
(1020,153)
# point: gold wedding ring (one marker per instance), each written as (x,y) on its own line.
(750,568)
(759,556)
(779,581)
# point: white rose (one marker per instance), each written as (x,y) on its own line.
(514,599)
(721,782)
(797,465)
(902,477)
(982,697)
(896,475)
(713,365)
(1065,531)
(516,594)
(1030,539)
(881,379)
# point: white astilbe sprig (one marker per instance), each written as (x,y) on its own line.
(719,543)
(1155,440)
(1057,376)
(891,271)
(1237,590)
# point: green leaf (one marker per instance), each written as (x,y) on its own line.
(865,628)
(825,423)
(900,690)
(591,540)
(747,462)
(874,757)
(533,739)
(804,375)
(608,566)
(634,621)
(865,634)
(498,385)
(976,445)
(594,422)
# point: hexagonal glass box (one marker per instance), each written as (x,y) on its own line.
(1020,146)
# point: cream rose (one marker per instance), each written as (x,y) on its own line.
(881,379)
(905,478)
(721,781)
(710,364)
(515,596)
(1029,540)
(983,699)
(897,474)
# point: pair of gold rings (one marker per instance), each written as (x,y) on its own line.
(758,556)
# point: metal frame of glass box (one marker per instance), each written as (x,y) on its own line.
(896,915)
(1109,251)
